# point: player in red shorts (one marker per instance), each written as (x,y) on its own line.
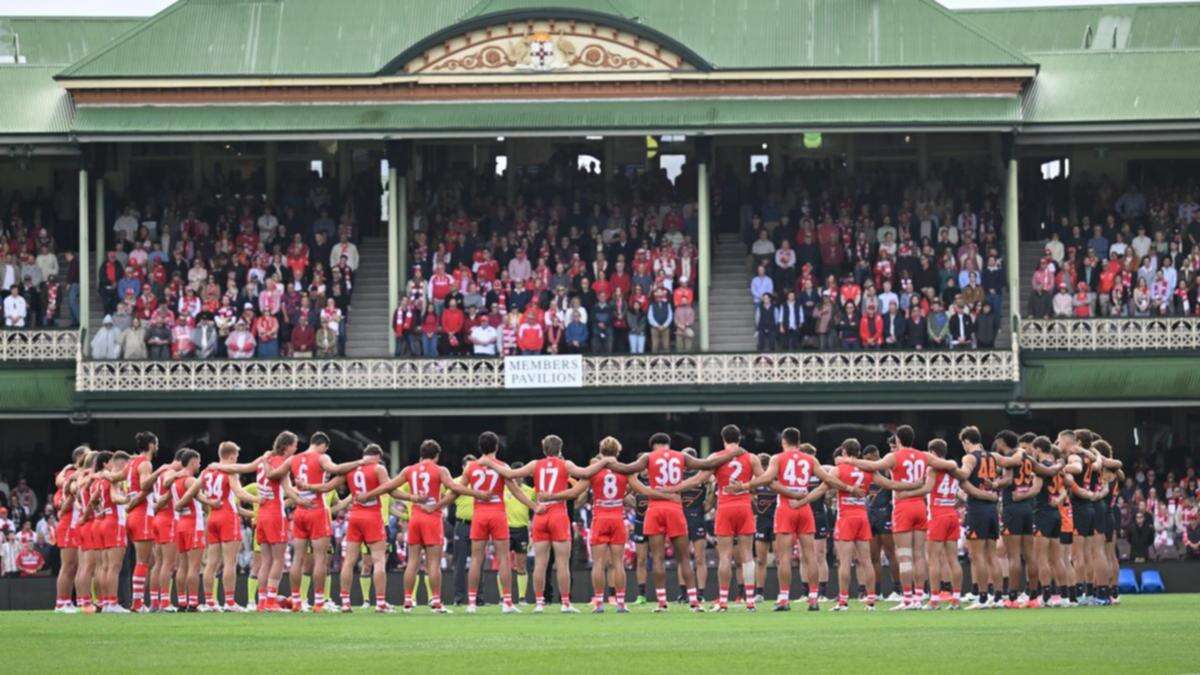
(431,489)
(664,518)
(312,524)
(790,473)
(189,530)
(608,534)
(489,521)
(162,512)
(223,494)
(550,529)
(105,498)
(852,534)
(64,532)
(271,527)
(941,489)
(139,481)
(365,526)
(909,515)
(84,524)
(735,518)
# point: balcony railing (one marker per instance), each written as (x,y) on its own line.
(598,371)
(39,345)
(1102,334)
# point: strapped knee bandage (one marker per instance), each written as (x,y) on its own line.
(748,572)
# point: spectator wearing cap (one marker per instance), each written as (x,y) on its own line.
(531,335)
(484,337)
(106,343)
(661,316)
(240,344)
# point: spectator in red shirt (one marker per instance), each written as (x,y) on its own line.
(530,336)
(870,328)
(453,322)
(266,333)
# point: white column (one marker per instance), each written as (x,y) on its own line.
(704,238)
(1012,242)
(394,457)
(85,274)
(393,243)
(101,226)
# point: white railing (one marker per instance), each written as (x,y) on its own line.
(598,371)
(1110,333)
(39,345)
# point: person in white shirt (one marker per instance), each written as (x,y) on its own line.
(1141,243)
(106,343)
(126,224)
(345,247)
(484,337)
(267,224)
(887,297)
(763,247)
(1055,248)
(15,308)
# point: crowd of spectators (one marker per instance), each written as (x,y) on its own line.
(1160,513)
(866,261)
(560,268)
(229,277)
(40,282)
(1134,253)
(25,550)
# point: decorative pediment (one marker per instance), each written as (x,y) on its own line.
(545,46)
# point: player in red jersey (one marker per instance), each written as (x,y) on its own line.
(105,502)
(735,518)
(162,512)
(790,473)
(189,530)
(64,532)
(223,494)
(489,521)
(80,490)
(311,525)
(852,534)
(664,519)
(431,489)
(270,529)
(608,534)
(365,526)
(941,488)
(551,528)
(139,480)
(909,515)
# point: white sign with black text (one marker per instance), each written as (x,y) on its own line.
(543,372)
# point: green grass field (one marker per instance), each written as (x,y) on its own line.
(1150,634)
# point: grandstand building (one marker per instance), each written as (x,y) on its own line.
(717,114)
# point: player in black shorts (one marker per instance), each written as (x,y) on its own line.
(1018,486)
(1047,522)
(1107,566)
(982,518)
(639,503)
(763,504)
(821,525)
(879,516)
(695,509)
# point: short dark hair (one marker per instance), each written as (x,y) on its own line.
(1085,437)
(906,436)
(319,438)
(938,447)
(187,456)
(1008,437)
(970,434)
(1100,445)
(851,447)
(790,437)
(372,450)
(468,459)
(489,442)
(659,439)
(690,451)
(429,449)
(1028,437)
(100,459)
(870,451)
(144,439)
(764,457)
(552,446)
(1043,443)
(731,434)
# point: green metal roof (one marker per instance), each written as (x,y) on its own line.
(231,38)
(65,40)
(498,118)
(1138,86)
(32,103)
(1139,26)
